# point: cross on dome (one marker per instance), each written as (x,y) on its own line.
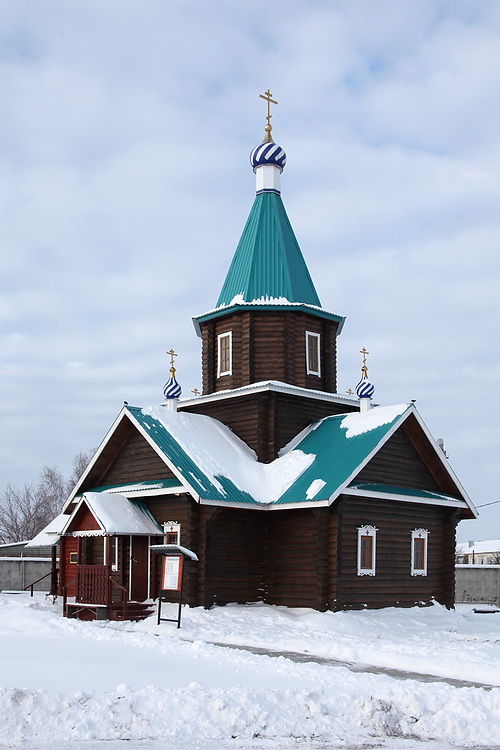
(267,97)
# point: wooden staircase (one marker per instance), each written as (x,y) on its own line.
(135,611)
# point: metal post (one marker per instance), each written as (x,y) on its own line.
(180,596)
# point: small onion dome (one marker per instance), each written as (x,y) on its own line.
(172,388)
(268,154)
(365,389)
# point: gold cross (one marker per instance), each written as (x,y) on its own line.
(350,392)
(364,368)
(267,96)
(195,391)
(172,355)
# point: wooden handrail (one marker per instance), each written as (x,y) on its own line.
(30,585)
(65,593)
(124,598)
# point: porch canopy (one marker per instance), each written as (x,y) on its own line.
(115,514)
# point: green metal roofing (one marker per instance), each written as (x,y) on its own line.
(407,491)
(338,457)
(268,263)
(222,490)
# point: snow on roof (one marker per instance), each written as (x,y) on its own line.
(315,467)
(116,514)
(51,534)
(359,422)
(171,548)
(218,452)
(490,546)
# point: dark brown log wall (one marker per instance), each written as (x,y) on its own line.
(393,584)
(137,462)
(234,556)
(297,559)
(269,345)
(398,463)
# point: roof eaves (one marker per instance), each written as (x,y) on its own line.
(267,305)
(444,461)
(152,442)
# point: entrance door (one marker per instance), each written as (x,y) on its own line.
(139,568)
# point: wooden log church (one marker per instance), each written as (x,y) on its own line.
(287,492)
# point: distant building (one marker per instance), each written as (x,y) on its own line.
(478,553)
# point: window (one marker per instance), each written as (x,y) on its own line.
(73,557)
(419,552)
(367,537)
(224,354)
(172,531)
(312,353)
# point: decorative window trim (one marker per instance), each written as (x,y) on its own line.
(227,370)
(169,529)
(364,533)
(422,536)
(310,369)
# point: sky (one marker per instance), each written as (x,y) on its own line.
(125,185)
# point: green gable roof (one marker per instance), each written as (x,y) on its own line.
(268,263)
(339,455)
(335,448)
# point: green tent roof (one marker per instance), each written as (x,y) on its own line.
(268,263)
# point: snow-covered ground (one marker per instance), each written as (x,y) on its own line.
(89,685)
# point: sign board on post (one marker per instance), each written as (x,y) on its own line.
(171,575)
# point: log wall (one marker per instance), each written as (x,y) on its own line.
(398,463)
(137,462)
(393,583)
(269,345)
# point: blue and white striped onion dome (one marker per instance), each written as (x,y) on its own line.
(268,153)
(172,388)
(365,389)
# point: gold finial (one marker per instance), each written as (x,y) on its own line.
(350,392)
(364,368)
(267,96)
(195,391)
(172,355)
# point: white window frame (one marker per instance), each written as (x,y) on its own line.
(370,531)
(419,534)
(220,372)
(172,527)
(317,336)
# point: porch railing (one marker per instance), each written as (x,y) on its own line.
(92,584)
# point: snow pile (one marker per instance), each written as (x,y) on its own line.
(65,681)
(217,451)
(357,423)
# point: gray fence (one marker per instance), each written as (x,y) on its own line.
(477,584)
(18,572)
